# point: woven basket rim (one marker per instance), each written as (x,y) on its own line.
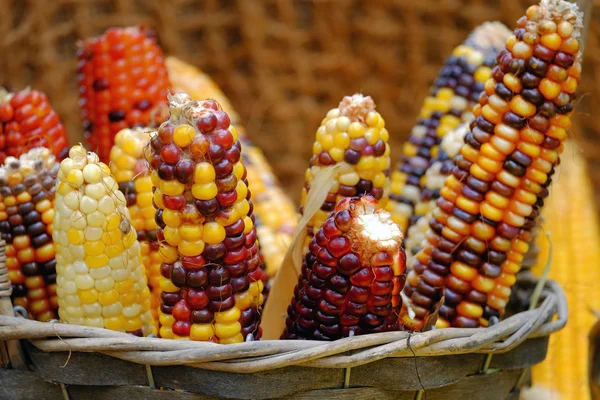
(251,357)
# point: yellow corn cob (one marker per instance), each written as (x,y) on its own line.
(571,218)
(130,169)
(100,277)
(353,135)
(27,187)
(482,225)
(276,215)
(453,95)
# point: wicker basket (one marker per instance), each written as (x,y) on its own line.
(283,63)
(77,362)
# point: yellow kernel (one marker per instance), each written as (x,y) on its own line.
(491,115)
(326,142)
(341,139)
(337,154)
(190,249)
(235,339)
(489,165)
(202,332)
(551,41)
(229,316)
(508,179)
(115,323)
(557,132)
(88,296)
(75,236)
(227,330)
(171,218)
(379,180)
(510,42)
(489,151)
(183,135)
(214,233)
(96,261)
(190,232)
(155,179)
(522,107)
(108,298)
(469,310)
(166,319)
(168,253)
(172,235)
(549,88)
(244,300)
(490,212)
(522,50)
(356,130)
(133,324)
(482,231)
(366,163)
(480,173)
(204,191)
(93,248)
(512,83)
(172,188)
(496,199)
(372,118)
(166,333)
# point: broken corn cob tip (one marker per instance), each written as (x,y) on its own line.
(130,169)
(351,277)
(450,103)
(27,121)
(353,135)
(27,187)
(101,280)
(122,81)
(482,225)
(212,282)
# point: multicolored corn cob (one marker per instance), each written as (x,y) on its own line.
(453,95)
(130,169)
(100,276)
(122,79)
(433,181)
(481,226)
(211,280)
(27,121)
(351,277)
(27,187)
(276,216)
(353,135)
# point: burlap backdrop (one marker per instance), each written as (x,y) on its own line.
(283,63)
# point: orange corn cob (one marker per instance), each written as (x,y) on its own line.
(351,277)
(453,95)
(275,213)
(130,170)
(481,227)
(100,277)
(353,134)
(122,79)
(26,121)
(211,280)
(26,212)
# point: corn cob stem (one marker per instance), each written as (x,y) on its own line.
(26,212)
(27,121)
(122,79)
(353,136)
(480,230)
(211,278)
(130,170)
(101,280)
(453,95)
(351,277)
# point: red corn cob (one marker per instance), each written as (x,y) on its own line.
(481,227)
(351,277)
(26,121)
(122,78)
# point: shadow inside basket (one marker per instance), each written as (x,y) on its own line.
(445,364)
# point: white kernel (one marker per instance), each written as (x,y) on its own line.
(92,173)
(120,274)
(118,262)
(96,219)
(72,300)
(104,285)
(77,251)
(80,267)
(84,282)
(87,205)
(112,310)
(70,287)
(131,311)
(96,321)
(96,190)
(106,205)
(77,220)
(74,312)
(93,310)
(68,272)
(72,200)
(100,273)
(93,233)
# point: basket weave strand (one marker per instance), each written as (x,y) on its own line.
(267,355)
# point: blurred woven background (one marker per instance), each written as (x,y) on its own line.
(283,63)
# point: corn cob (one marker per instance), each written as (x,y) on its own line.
(453,95)
(353,135)
(26,212)
(211,278)
(351,277)
(512,148)
(276,215)
(122,79)
(130,169)
(100,277)
(27,121)
(571,218)
(434,177)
